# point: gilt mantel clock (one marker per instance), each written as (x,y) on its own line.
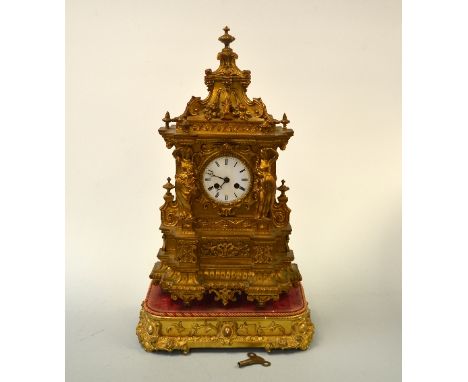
(225,268)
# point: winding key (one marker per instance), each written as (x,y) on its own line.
(253,359)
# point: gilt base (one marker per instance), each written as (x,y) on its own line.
(169,325)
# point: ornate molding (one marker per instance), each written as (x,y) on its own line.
(226,224)
(262,254)
(225,249)
(186,252)
(260,286)
(230,127)
(219,277)
(173,333)
(181,285)
(225,295)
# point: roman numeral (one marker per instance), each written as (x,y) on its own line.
(225,197)
(225,161)
(217,194)
(235,164)
(235,195)
(242,170)
(242,188)
(217,164)
(210,188)
(208,179)
(243,179)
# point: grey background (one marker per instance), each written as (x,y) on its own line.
(334,68)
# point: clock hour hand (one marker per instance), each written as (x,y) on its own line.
(220,186)
(225,180)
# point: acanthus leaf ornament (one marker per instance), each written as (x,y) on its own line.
(225,249)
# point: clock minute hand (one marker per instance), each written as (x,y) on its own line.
(210,173)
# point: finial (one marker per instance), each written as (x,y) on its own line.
(284,121)
(168,186)
(283,188)
(226,38)
(167,119)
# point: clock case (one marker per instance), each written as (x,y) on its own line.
(225,250)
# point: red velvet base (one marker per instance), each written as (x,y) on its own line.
(160,303)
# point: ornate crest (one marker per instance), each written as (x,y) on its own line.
(227,108)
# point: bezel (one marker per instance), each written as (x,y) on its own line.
(209,159)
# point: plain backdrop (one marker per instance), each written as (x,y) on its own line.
(334,66)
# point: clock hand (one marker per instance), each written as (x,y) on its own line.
(210,173)
(225,180)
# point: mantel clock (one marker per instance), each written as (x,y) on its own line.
(225,232)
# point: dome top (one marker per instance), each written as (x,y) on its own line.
(227,108)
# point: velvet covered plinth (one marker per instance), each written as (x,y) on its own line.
(170,325)
(160,303)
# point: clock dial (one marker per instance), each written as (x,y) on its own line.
(226,179)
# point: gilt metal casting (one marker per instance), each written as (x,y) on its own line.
(223,236)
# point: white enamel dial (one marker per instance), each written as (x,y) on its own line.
(226,179)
